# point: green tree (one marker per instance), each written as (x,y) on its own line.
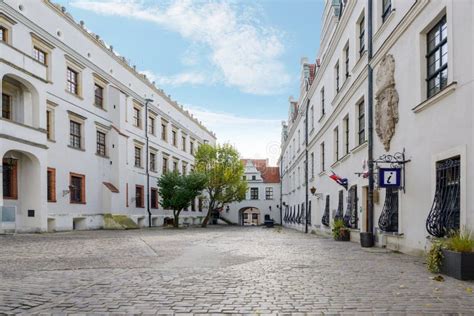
(178,191)
(224,174)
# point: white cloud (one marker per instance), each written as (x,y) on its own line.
(244,51)
(178,79)
(254,138)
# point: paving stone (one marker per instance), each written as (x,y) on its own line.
(231,270)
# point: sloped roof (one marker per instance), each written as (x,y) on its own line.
(269,174)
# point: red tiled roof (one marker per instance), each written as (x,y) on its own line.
(269,174)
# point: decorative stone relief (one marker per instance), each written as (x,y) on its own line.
(386,106)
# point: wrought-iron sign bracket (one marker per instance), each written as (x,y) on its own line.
(395,161)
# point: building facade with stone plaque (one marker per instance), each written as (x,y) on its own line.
(422,123)
(81,128)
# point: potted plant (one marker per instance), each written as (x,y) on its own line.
(453,256)
(339,231)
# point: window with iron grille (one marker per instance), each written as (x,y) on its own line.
(39,55)
(75,134)
(325,218)
(336,69)
(136,117)
(139,198)
(254,193)
(340,206)
(444,216)
(72,84)
(361,121)
(77,188)
(10,180)
(388,220)
(153,162)
(351,216)
(437,57)
(101,143)
(268,193)
(98,96)
(362,36)
(386,9)
(309,213)
(138,157)
(6,107)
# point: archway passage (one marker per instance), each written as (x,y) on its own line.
(249,216)
(21,192)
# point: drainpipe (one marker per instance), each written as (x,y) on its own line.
(147,168)
(306,169)
(370,140)
(281,191)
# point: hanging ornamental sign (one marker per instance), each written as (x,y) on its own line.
(390,177)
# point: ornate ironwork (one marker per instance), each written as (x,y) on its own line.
(388,220)
(397,160)
(351,218)
(325,218)
(340,206)
(444,215)
(309,213)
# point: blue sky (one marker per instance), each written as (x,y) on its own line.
(232,63)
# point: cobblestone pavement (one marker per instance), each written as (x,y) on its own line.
(216,270)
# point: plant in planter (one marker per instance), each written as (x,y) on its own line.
(339,231)
(453,256)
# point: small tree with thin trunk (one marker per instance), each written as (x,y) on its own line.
(224,176)
(178,191)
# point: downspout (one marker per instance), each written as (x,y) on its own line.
(147,168)
(306,169)
(370,140)
(281,191)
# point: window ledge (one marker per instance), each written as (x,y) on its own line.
(102,156)
(384,24)
(100,107)
(437,97)
(51,140)
(359,61)
(75,148)
(73,94)
(336,163)
(322,173)
(359,148)
(322,117)
(345,157)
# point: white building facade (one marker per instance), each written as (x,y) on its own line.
(422,123)
(262,198)
(81,130)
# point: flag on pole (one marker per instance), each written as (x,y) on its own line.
(341,181)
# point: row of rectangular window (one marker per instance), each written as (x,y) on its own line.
(268,193)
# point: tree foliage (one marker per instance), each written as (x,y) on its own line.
(178,191)
(224,172)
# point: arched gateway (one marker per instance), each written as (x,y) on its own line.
(249,216)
